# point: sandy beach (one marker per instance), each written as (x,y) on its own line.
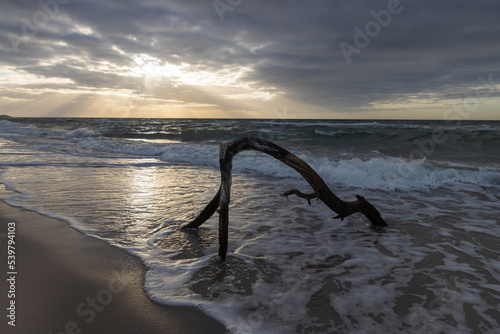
(69,283)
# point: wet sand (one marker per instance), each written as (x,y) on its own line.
(67,282)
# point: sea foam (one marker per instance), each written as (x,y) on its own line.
(380,172)
(291,267)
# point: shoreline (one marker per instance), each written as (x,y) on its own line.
(67,282)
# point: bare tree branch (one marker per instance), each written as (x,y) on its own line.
(321,191)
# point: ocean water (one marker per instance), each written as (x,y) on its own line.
(291,268)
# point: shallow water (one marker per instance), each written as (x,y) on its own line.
(291,268)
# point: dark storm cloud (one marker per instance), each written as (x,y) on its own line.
(437,48)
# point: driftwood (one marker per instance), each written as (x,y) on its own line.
(321,190)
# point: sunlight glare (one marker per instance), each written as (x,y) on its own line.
(148,66)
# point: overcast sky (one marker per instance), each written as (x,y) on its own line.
(251,58)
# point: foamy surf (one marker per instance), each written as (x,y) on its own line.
(291,267)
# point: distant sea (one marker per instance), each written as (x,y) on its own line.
(291,268)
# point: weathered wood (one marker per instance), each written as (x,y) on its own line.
(226,170)
(321,191)
(300,194)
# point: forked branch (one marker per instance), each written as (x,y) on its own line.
(321,191)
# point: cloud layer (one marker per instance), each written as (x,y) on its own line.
(249,58)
